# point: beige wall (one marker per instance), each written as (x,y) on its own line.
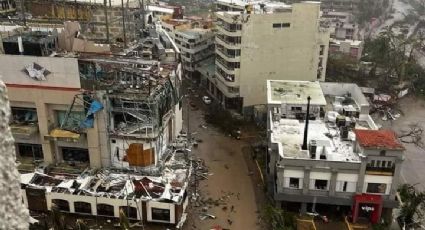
(56,93)
(285,54)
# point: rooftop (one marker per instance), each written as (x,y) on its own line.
(378,139)
(294,92)
(289,133)
(260,6)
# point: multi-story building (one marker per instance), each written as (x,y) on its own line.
(342,25)
(350,48)
(256,41)
(82,108)
(195,39)
(7,7)
(336,158)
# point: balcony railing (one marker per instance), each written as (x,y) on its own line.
(379,170)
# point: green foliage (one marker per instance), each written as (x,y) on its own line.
(382,226)
(277,219)
(412,200)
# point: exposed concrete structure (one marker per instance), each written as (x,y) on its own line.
(259,41)
(135,93)
(13,214)
(347,160)
(158,196)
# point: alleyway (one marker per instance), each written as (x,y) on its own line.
(229,193)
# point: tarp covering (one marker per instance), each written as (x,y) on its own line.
(95,107)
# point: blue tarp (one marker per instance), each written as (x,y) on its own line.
(95,107)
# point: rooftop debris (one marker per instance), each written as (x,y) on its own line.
(378,139)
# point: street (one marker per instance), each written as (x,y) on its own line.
(229,193)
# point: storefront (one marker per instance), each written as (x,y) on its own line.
(367,206)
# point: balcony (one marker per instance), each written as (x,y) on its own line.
(380,171)
(24,131)
(228,31)
(227,44)
(227,57)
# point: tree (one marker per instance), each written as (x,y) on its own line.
(277,219)
(412,200)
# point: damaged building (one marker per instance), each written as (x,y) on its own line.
(326,152)
(76,103)
(159,197)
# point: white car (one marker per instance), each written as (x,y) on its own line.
(206,100)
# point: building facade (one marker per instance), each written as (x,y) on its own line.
(339,158)
(256,42)
(90,109)
(195,39)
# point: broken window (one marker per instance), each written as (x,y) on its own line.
(105,210)
(30,150)
(294,182)
(321,184)
(161,214)
(130,212)
(322,49)
(376,188)
(62,205)
(24,116)
(73,120)
(82,207)
(75,155)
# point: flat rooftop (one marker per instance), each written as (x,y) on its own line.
(289,135)
(294,92)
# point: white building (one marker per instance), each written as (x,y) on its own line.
(256,41)
(339,159)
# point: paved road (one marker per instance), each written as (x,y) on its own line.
(231,183)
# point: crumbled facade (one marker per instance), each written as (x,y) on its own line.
(338,158)
(90,109)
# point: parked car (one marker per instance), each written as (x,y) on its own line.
(206,100)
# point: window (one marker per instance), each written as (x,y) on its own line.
(62,205)
(105,210)
(130,212)
(389,164)
(277,25)
(322,49)
(382,153)
(75,154)
(30,150)
(376,188)
(281,25)
(24,116)
(74,118)
(321,184)
(294,182)
(296,108)
(345,186)
(160,214)
(82,207)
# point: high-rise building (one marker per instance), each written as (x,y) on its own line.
(256,41)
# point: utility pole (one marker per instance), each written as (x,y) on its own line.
(105,7)
(23,12)
(123,23)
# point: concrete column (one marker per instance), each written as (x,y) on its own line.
(306,180)
(116,210)
(93,208)
(396,178)
(362,172)
(43,126)
(332,184)
(303,208)
(71,206)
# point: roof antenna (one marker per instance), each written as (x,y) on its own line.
(304,147)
